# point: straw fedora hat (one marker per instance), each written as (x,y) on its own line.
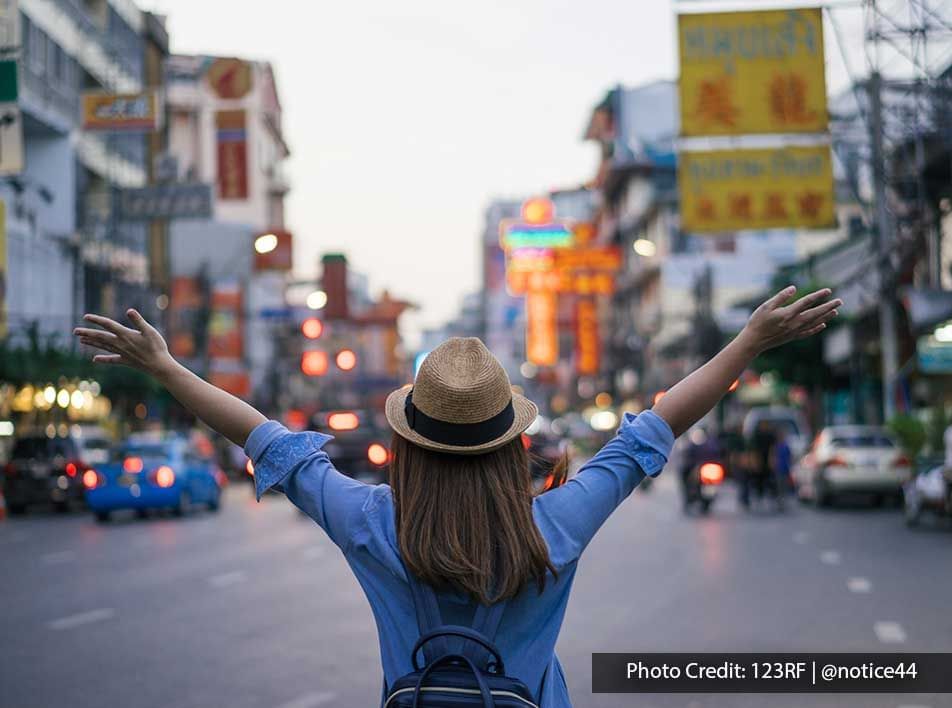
(461,402)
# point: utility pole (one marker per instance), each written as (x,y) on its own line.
(884,244)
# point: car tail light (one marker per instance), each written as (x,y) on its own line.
(71,469)
(132,465)
(92,479)
(837,461)
(378,454)
(163,477)
(10,470)
(902,461)
(712,473)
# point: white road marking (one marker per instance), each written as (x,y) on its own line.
(800,537)
(313,552)
(830,557)
(889,632)
(859,585)
(311,700)
(57,557)
(226,579)
(82,618)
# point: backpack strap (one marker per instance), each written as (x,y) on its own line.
(486,622)
(486,619)
(428,616)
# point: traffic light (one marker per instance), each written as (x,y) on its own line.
(314,363)
(346,360)
(312,328)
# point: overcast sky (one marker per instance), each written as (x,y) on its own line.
(406,118)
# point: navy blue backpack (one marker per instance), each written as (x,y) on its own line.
(463,668)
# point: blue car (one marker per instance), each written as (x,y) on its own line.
(154,472)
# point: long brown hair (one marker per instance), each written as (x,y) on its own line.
(465,522)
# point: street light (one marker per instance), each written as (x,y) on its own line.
(314,363)
(346,360)
(644,247)
(266,243)
(316,300)
(312,328)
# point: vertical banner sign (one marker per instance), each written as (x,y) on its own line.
(185,306)
(752,72)
(729,190)
(586,337)
(542,338)
(232,154)
(224,326)
(225,340)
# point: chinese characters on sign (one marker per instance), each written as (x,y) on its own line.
(752,72)
(132,111)
(542,337)
(586,337)
(232,155)
(166,201)
(729,190)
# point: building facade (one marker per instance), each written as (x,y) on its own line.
(66,249)
(225,130)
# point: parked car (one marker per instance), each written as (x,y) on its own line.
(361,444)
(45,469)
(153,472)
(852,459)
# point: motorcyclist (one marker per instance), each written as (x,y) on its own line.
(701,447)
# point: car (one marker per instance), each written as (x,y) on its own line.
(360,448)
(154,472)
(852,459)
(45,468)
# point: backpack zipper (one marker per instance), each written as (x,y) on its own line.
(508,694)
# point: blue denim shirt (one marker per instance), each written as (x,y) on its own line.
(359,518)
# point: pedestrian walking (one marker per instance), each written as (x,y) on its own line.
(457,536)
(782,463)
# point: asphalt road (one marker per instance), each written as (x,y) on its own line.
(255,607)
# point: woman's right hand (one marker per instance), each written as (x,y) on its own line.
(774,323)
(141,348)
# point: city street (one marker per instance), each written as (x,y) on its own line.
(255,607)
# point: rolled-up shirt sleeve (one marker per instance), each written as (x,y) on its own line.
(297,465)
(570,515)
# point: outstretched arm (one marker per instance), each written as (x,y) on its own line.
(770,325)
(144,348)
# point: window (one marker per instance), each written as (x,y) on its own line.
(862,440)
(58,68)
(37,52)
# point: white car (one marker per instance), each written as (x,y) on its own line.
(852,458)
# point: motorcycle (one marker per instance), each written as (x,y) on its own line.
(929,491)
(702,485)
